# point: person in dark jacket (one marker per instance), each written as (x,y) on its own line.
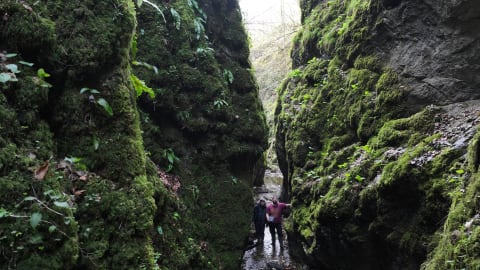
(259,219)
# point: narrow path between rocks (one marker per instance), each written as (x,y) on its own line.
(268,256)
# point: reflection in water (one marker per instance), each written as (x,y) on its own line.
(263,256)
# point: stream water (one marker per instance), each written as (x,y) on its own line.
(268,256)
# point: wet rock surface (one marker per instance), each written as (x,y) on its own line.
(433,46)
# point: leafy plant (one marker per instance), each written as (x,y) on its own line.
(7,71)
(306,98)
(89,90)
(176,17)
(140,2)
(194,4)
(96,143)
(41,75)
(313,60)
(146,65)
(199,28)
(228,76)
(140,87)
(183,116)
(195,192)
(105,105)
(101,101)
(296,73)
(207,51)
(35,219)
(343,165)
(171,158)
(219,103)
(359,178)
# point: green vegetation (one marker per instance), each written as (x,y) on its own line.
(370,179)
(140,194)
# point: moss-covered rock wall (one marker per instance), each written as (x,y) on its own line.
(372,128)
(89,178)
(205,125)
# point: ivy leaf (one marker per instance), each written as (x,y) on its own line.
(102,102)
(61,204)
(160,230)
(4,77)
(35,219)
(25,63)
(139,3)
(52,228)
(13,68)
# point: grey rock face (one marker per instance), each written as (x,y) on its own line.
(434,46)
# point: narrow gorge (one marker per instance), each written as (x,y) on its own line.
(132,134)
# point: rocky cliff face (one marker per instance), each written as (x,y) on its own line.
(91,180)
(206,113)
(373,127)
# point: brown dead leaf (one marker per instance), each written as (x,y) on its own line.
(79,193)
(83,178)
(41,172)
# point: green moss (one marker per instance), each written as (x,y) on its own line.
(458,246)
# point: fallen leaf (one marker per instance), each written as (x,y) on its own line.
(79,193)
(41,172)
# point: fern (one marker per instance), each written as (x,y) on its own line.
(228,76)
(176,18)
(194,4)
(140,2)
(141,87)
(146,65)
(199,28)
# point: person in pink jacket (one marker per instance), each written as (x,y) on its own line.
(274,219)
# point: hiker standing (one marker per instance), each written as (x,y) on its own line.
(259,219)
(274,219)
